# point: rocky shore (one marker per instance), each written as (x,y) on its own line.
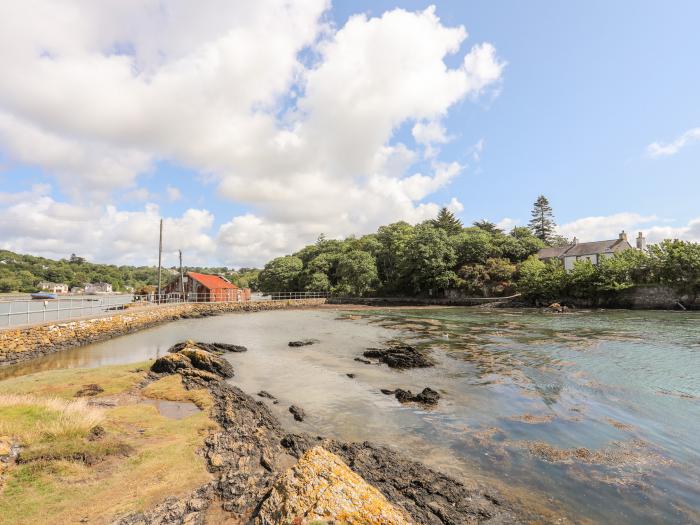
(265,476)
(23,344)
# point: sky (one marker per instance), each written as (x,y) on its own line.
(253,127)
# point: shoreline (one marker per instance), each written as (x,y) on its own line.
(18,345)
(251,451)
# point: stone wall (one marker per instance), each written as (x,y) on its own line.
(649,297)
(22,344)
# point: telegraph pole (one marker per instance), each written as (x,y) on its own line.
(182,277)
(160,258)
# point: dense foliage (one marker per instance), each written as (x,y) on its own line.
(24,272)
(405,259)
(671,263)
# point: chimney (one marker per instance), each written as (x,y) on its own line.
(641,242)
(623,235)
(575,241)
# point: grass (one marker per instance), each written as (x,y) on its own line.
(171,388)
(65,477)
(65,383)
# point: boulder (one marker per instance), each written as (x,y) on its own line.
(171,363)
(89,390)
(303,342)
(402,356)
(427,396)
(203,360)
(297,412)
(322,487)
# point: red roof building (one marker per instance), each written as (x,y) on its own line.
(205,288)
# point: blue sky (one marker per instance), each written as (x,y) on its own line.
(586,89)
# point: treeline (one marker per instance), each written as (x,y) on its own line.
(23,273)
(403,259)
(671,263)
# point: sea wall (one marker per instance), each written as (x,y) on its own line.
(648,297)
(22,344)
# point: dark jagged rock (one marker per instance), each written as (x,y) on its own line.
(365,361)
(400,356)
(427,396)
(303,342)
(170,364)
(89,390)
(214,348)
(351,376)
(203,360)
(297,412)
(266,394)
(428,496)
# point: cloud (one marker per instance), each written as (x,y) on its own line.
(173,193)
(657,149)
(301,129)
(604,227)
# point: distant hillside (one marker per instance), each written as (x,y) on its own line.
(22,273)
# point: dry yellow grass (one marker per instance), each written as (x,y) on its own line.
(171,388)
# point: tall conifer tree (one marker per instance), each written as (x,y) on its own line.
(542,222)
(447,221)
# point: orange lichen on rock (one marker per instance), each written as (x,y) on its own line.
(321,487)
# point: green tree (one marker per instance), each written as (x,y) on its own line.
(317,282)
(541,281)
(677,263)
(474,245)
(394,239)
(429,261)
(357,271)
(542,221)
(447,221)
(487,226)
(281,274)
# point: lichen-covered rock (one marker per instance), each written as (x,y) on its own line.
(321,487)
(203,360)
(170,364)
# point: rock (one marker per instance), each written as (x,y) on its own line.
(169,364)
(321,487)
(351,376)
(214,348)
(266,395)
(403,356)
(89,390)
(203,360)
(297,412)
(365,361)
(429,497)
(428,396)
(96,433)
(304,342)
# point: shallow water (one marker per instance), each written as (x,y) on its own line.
(520,391)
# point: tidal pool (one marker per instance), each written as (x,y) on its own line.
(583,417)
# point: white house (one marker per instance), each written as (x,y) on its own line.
(53,287)
(98,288)
(591,251)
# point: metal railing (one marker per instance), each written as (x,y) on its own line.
(23,311)
(285,296)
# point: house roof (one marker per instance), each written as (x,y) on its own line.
(585,248)
(212,282)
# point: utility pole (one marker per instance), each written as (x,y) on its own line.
(160,258)
(182,278)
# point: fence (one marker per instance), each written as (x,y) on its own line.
(24,311)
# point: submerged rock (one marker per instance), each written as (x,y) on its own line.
(297,412)
(403,356)
(351,376)
(89,390)
(303,342)
(265,394)
(427,396)
(322,487)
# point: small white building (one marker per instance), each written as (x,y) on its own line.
(48,286)
(590,251)
(98,288)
